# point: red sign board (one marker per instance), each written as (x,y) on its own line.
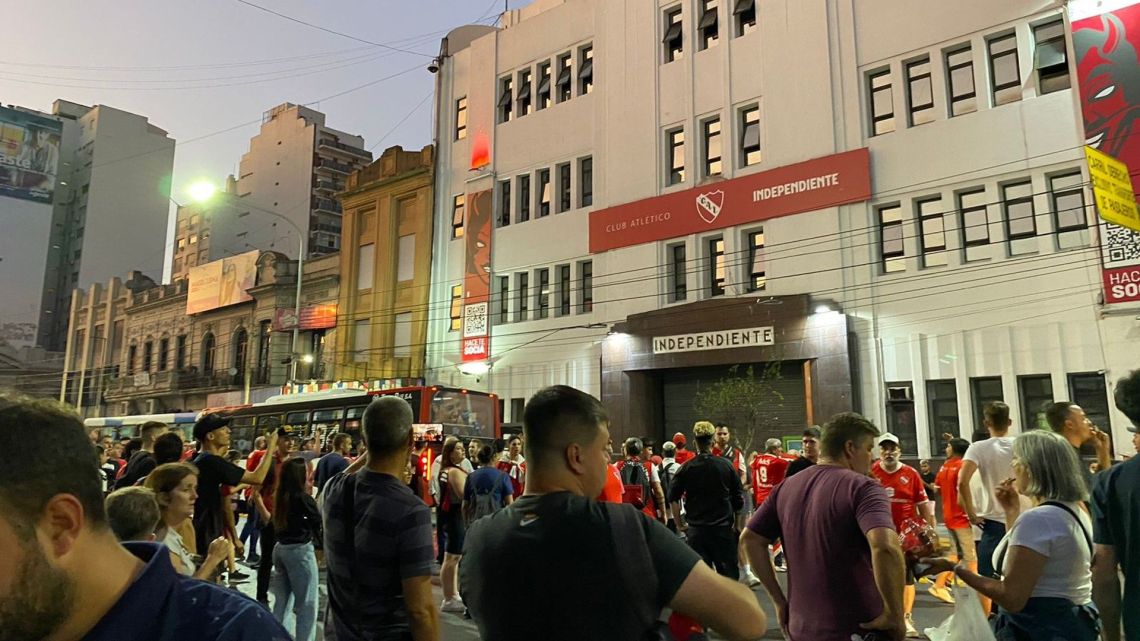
(815,184)
(476,344)
(312,317)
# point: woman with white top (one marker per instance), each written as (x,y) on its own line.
(1046,556)
(175,486)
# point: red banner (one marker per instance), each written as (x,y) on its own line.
(477,277)
(816,184)
(312,317)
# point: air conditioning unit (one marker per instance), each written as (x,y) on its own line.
(900,394)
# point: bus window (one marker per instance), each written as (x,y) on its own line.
(464,414)
(328,421)
(352,426)
(242,434)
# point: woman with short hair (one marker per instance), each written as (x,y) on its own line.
(1046,556)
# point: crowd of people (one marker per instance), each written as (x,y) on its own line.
(137,538)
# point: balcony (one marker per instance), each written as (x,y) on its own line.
(333,145)
(328,206)
(329,186)
(332,229)
(334,166)
(154,383)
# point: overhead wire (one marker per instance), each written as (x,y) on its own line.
(333,31)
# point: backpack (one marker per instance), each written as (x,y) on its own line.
(446,503)
(636,489)
(484,503)
(668,470)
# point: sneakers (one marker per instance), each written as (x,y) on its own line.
(454,604)
(783,567)
(942,594)
(750,579)
(911,632)
(238,575)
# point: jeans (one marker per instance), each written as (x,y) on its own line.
(1048,619)
(992,533)
(251,531)
(295,588)
(265,568)
(717,546)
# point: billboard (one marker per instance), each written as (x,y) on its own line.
(29,155)
(476,344)
(222,282)
(312,317)
(1108,73)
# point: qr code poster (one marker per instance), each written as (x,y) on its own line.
(474,319)
(1120,251)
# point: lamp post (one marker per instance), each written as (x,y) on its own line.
(201,193)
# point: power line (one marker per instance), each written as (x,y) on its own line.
(332,31)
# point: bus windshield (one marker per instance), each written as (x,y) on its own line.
(465,414)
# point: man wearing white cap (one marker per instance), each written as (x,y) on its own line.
(906,492)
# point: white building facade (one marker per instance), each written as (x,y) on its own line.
(897,195)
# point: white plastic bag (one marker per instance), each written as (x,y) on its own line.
(968,623)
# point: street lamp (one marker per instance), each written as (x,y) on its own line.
(202,192)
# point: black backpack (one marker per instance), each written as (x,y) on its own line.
(637,489)
(668,471)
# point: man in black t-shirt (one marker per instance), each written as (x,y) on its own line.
(213,433)
(142,462)
(810,454)
(615,568)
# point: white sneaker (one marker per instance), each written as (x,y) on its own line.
(454,604)
(751,579)
(911,632)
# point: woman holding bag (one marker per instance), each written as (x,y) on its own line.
(1046,556)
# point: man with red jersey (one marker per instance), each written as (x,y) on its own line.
(768,470)
(906,492)
(683,455)
(514,465)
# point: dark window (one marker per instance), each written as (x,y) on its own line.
(984,390)
(241,353)
(1050,57)
(960,74)
(543,193)
(676,141)
(180,352)
(586,182)
(1068,202)
(900,417)
(942,401)
(456,312)
(1036,396)
(749,136)
(523,98)
(1004,70)
(709,26)
(523,288)
(678,273)
(518,405)
(674,35)
(586,276)
(504,299)
(564,187)
(1090,392)
(565,81)
(524,198)
(506,100)
(920,92)
(756,267)
(716,267)
(163,354)
(148,355)
(458,211)
(461,118)
(563,290)
(745,14)
(504,217)
(891,239)
(1017,201)
(264,336)
(932,232)
(712,147)
(542,293)
(208,345)
(975,220)
(882,103)
(132,356)
(586,70)
(543,91)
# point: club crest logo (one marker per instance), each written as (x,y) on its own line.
(709,205)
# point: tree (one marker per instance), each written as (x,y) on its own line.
(744,401)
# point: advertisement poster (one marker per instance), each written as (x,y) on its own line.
(1108,72)
(312,317)
(477,278)
(222,282)
(29,155)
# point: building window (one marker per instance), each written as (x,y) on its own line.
(586,70)
(974,222)
(506,100)
(712,148)
(241,350)
(194,239)
(756,268)
(524,198)
(1036,397)
(564,187)
(750,135)
(523,99)
(456,312)
(543,91)
(1050,57)
(586,286)
(542,293)
(709,26)
(563,290)
(543,193)
(163,354)
(745,14)
(891,239)
(960,75)
(504,299)
(148,355)
(942,404)
(208,355)
(402,336)
(1068,202)
(882,102)
(678,273)
(900,416)
(180,353)
(461,118)
(522,287)
(983,391)
(716,266)
(673,42)
(406,258)
(919,92)
(932,232)
(1004,70)
(362,341)
(366,262)
(264,338)
(565,77)
(1017,201)
(132,356)
(458,211)
(504,218)
(586,181)
(675,139)
(1088,390)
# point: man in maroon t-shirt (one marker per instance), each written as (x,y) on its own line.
(842,548)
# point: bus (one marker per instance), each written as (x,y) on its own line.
(120,427)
